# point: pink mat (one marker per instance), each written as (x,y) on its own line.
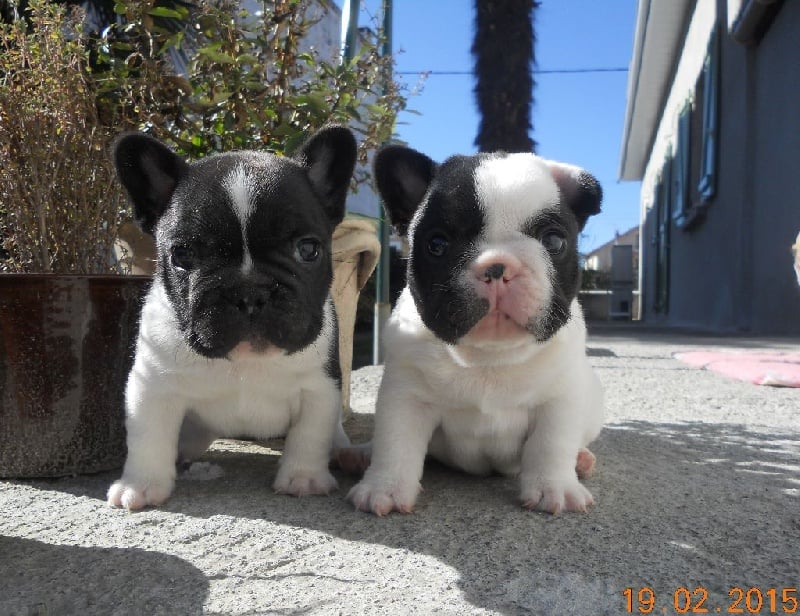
(759,367)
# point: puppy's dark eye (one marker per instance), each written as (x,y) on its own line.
(307,249)
(437,245)
(182,257)
(554,242)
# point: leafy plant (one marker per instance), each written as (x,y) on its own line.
(593,280)
(246,83)
(204,76)
(59,205)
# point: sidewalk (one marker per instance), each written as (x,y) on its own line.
(698,487)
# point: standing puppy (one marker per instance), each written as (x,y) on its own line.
(238,332)
(486,366)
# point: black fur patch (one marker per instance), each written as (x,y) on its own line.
(452,211)
(566,271)
(279,301)
(207,297)
(333,367)
(446,232)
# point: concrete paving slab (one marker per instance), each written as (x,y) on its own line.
(697,488)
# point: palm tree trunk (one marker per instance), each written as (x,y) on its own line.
(503,49)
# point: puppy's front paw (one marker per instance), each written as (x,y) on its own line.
(555,495)
(135,494)
(301,482)
(381,497)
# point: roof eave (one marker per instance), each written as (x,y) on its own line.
(660,31)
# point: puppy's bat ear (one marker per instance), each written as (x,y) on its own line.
(149,171)
(329,157)
(403,176)
(580,191)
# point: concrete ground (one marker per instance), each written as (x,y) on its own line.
(697,490)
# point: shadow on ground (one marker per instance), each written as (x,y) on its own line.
(41,579)
(678,505)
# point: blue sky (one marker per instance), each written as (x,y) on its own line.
(578,118)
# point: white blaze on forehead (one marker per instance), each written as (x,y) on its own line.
(511,189)
(241,188)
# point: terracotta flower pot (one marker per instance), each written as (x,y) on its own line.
(66,347)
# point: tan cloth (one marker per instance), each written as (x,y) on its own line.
(135,250)
(356,249)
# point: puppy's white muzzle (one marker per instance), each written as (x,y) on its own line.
(515,294)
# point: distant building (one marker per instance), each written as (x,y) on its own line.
(610,279)
(712,130)
(599,259)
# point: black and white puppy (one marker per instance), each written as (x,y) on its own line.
(486,366)
(238,333)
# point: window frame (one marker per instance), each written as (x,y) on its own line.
(681,200)
(661,234)
(709,160)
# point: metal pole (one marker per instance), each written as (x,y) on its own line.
(382,299)
(351,8)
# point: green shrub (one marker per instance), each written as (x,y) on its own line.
(595,280)
(246,85)
(59,203)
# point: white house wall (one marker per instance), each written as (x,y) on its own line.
(660,29)
(689,67)
(731,269)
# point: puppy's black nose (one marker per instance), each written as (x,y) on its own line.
(251,301)
(251,305)
(494,272)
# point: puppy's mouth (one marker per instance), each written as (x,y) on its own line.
(218,327)
(511,308)
(257,347)
(498,326)
(234,343)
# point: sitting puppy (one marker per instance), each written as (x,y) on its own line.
(238,334)
(486,366)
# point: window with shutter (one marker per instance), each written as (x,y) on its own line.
(708,160)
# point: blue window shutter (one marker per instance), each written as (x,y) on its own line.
(653,214)
(708,161)
(681,202)
(662,223)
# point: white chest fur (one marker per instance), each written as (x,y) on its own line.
(486,402)
(247,395)
(270,394)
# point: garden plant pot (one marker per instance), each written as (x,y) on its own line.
(66,347)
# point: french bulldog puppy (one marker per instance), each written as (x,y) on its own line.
(485,356)
(238,334)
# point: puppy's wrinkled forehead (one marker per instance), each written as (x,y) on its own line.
(492,194)
(241,186)
(513,188)
(252,176)
(246,189)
